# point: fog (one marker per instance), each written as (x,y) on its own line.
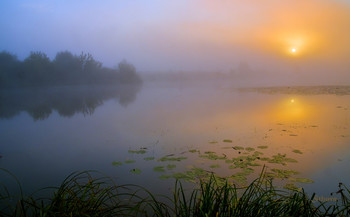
(251,42)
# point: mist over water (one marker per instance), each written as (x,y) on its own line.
(149,92)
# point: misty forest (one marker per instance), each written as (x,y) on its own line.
(179,108)
(37,70)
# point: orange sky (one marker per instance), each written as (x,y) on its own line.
(190,35)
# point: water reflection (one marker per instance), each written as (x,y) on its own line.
(39,103)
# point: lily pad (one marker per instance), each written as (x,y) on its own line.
(297,151)
(129,161)
(227,140)
(214,166)
(148,158)
(193,151)
(263,146)
(142,151)
(213,142)
(184,176)
(239,178)
(117,163)
(250,149)
(159,169)
(291,186)
(238,148)
(197,172)
(281,159)
(135,171)
(172,158)
(165,176)
(257,153)
(283,174)
(301,180)
(247,171)
(229,161)
(212,156)
(170,166)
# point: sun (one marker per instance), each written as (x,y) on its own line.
(294,50)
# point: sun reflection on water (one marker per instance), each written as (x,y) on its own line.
(290,109)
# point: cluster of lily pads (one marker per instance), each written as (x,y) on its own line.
(245,163)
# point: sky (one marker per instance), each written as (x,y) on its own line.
(304,39)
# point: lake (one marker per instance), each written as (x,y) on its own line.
(148,135)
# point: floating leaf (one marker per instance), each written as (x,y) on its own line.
(238,148)
(184,176)
(135,171)
(117,163)
(250,149)
(214,166)
(227,140)
(172,158)
(197,172)
(142,151)
(171,166)
(281,159)
(239,178)
(257,153)
(301,180)
(247,171)
(291,186)
(159,169)
(149,158)
(293,135)
(297,151)
(165,176)
(212,156)
(129,161)
(263,146)
(213,142)
(193,150)
(283,174)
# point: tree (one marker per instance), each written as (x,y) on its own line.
(88,63)
(9,66)
(37,69)
(66,62)
(127,72)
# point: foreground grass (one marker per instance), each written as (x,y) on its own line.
(82,194)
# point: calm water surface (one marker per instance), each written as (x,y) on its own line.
(46,136)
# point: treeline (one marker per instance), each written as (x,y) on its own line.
(38,70)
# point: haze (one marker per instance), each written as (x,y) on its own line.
(271,42)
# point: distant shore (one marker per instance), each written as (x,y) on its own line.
(302,90)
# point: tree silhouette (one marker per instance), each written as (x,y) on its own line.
(9,67)
(37,69)
(65,69)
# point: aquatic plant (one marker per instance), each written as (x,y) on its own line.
(141,151)
(297,151)
(117,163)
(82,194)
(167,158)
(135,171)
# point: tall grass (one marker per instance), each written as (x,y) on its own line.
(82,194)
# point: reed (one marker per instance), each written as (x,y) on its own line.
(87,194)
